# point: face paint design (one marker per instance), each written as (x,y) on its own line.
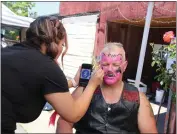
(118,70)
(111,65)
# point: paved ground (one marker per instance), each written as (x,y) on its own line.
(40,125)
(20,129)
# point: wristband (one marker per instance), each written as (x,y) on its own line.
(74,83)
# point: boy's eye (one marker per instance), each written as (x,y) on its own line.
(116,65)
(105,64)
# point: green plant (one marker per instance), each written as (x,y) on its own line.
(174,97)
(159,59)
(21,9)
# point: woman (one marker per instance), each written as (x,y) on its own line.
(30,77)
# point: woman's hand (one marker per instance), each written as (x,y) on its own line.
(96,77)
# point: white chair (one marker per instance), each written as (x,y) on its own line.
(141,89)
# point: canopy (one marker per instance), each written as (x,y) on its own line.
(10,18)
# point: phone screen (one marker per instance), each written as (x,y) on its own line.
(85,74)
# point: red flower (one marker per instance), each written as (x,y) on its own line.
(168,36)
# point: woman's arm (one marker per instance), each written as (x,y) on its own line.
(73,110)
(62,125)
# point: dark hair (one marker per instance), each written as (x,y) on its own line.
(48,30)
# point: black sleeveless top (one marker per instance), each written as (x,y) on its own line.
(120,117)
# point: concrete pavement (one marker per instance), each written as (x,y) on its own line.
(20,129)
(40,125)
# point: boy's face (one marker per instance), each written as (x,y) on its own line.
(113,65)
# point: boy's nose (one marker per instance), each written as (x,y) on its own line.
(110,67)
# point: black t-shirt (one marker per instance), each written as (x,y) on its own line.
(27,75)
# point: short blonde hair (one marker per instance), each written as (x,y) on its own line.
(118,44)
(111,46)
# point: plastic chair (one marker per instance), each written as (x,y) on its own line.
(141,89)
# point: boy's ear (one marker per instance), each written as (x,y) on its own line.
(124,66)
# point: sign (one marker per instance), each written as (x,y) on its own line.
(163,54)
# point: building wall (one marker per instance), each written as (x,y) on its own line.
(130,10)
(130,36)
(81,37)
(69,8)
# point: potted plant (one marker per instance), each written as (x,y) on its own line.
(165,61)
(167,73)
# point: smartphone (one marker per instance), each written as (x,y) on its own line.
(85,75)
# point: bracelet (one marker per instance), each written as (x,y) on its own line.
(74,83)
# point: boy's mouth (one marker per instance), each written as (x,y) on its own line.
(110,74)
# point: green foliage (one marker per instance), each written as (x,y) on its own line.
(174,97)
(33,15)
(12,34)
(18,7)
(165,76)
(21,9)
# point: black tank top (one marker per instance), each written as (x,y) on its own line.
(120,117)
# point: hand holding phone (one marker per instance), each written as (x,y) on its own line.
(85,74)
